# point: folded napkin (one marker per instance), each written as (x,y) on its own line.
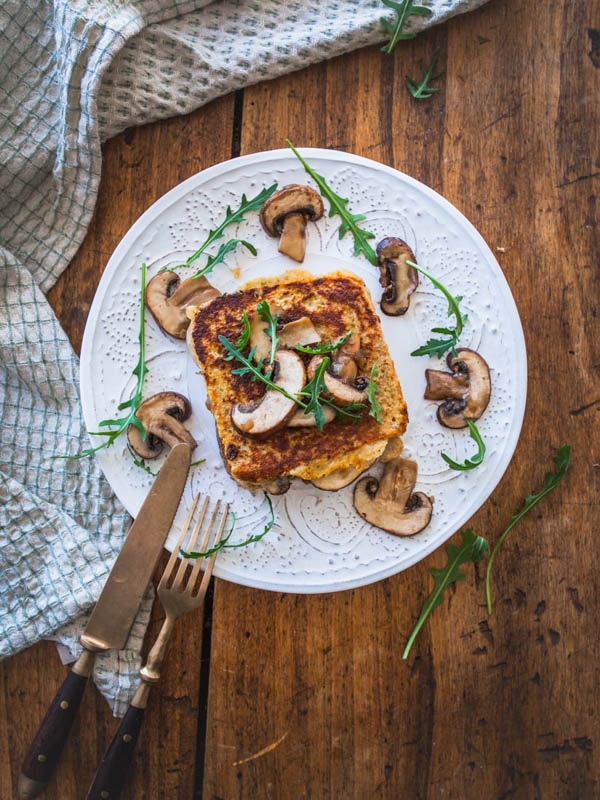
(72,73)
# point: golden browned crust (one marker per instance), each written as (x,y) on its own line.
(334,303)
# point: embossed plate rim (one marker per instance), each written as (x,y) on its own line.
(347,159)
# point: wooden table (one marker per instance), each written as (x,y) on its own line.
(285,696)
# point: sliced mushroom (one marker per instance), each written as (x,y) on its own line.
(390,504)
(279,485)
(162,416)
(352,348)
(286,213)
(352,344)
(343,391)
(396,276)
(302,420)
(344,367)
(301,331)
(167,299)
(393,449)
(274,410)
(465,391)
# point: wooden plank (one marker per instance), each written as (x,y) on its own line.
(139,166)
(309,696)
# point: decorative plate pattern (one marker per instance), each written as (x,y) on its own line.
(318,543)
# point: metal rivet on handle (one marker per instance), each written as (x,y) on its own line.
(127,737)
(104,794)
(41,757)
(64,705)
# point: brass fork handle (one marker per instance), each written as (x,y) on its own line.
(48,743)
(110,778)
(150,672)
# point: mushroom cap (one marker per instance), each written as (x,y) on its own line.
(162,416)
(274,410)
(465,392)
(291,199)
(167,298)
(343,391)
(390,504)
(398,278)
(299,332)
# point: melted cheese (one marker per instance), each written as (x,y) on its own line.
(360,459)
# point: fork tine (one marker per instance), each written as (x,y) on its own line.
(210,527)
(190,545)
(205,545)
(175,554)
(211,561)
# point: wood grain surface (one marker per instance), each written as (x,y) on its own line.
(308,696)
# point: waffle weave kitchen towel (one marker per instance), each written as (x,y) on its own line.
(73,73)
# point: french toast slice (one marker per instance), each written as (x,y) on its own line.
(334,303)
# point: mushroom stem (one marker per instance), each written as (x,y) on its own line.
(444,385)
(293,236)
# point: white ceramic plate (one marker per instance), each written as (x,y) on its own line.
(319,543)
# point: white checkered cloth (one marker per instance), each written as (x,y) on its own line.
(73,73)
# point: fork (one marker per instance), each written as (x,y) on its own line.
(178,596)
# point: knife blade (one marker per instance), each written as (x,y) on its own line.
(112,617)
(115,610)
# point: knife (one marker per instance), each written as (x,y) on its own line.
(112,617)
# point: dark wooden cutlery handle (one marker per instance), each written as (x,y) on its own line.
(45,750)
(112,772)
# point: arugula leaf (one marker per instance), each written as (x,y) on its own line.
(440,346)
(346,413)
(254,204)
(562,459)
(404,10)
(423,91)
(372,391)
(234,352)
(337,205)
(264,312)
(313,390)
(224,543)
(433,347)
(475,461)
(245,335)
(139,462)
(140,370)
(223,250)
(321,348)
(472,549)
